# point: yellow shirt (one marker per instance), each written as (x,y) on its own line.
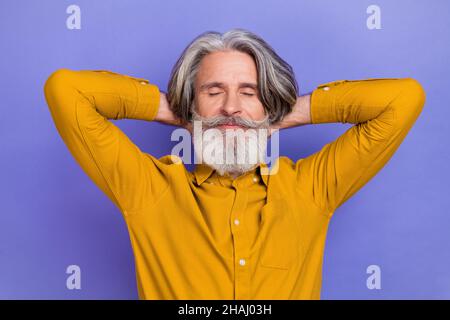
(197,235)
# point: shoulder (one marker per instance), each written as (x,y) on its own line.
(282,166)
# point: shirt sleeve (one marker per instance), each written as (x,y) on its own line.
(81,104)
(382,110)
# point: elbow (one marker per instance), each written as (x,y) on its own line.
(409,103)
(414,93)
(56,80)
(57,87)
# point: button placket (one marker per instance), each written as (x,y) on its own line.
(240,244)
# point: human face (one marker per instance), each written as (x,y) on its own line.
(227,99)
(226,84)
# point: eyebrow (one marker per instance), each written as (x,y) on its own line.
(222,85)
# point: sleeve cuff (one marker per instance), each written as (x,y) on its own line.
(148,100)
(323,102)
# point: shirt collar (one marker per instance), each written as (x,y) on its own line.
(203,171)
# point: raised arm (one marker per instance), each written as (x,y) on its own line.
(81,104)
(383,111)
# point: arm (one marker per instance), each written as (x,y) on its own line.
(299,116)
(383,111)
(81,104)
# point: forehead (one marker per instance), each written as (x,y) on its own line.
(228,67)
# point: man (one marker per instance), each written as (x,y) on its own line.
(230,231)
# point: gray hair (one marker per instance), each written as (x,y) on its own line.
(277,86)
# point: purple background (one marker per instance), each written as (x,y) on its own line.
(52,215)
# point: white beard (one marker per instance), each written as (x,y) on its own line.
(228,155)
(231,151)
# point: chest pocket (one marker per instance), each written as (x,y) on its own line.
(280,237)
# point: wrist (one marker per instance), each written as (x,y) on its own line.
(165,114)
(162,108)
(302,110)
(299,115)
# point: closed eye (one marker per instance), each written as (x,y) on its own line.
(247,94)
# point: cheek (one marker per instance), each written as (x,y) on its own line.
(256,110)
(207,107)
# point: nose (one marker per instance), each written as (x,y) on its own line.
(232,105)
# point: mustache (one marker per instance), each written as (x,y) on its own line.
(218,120)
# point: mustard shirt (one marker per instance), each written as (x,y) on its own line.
(198,235)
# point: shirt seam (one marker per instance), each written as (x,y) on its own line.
(329,213)
(94,159)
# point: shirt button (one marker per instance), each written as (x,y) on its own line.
(143,82)
(236,222)
(326,88)
(255,179)
(242,262)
